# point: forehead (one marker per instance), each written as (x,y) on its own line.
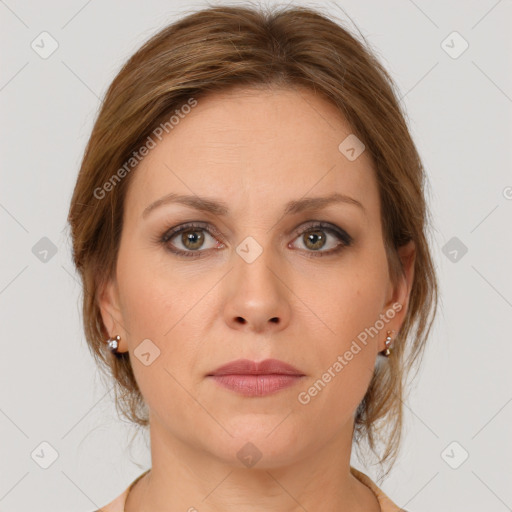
(255,147)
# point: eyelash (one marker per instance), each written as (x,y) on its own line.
(345,239)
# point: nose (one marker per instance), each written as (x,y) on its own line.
(257,298)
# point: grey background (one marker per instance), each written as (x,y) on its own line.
(460,116)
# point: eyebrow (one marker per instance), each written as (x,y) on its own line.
(220,208)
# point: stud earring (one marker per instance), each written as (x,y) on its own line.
(113,344)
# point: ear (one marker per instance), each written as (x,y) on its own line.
(108,300)
(399,293)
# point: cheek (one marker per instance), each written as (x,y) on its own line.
(347,301)
(153,296)
(345,359)
(155,308)
(349,304)
(147,305)
(168,307)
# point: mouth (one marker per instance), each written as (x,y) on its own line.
(250,378)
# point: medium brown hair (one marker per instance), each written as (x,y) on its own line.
(213,50)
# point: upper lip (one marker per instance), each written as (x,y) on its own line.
(248,367)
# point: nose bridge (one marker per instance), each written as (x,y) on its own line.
(254,260)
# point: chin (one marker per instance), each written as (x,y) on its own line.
(259,442)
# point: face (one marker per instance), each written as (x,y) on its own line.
(257,273)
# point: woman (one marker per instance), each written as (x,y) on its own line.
(250,226)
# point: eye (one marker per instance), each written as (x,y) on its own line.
(190,238)
(315,237)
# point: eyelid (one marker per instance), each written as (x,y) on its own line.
(318,224)
(170,233)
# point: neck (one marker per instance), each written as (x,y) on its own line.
(185,477)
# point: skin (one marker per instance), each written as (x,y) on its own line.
(255,150)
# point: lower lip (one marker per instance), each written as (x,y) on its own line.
(256,385)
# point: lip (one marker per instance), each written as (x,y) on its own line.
(250,378)
(248,367)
